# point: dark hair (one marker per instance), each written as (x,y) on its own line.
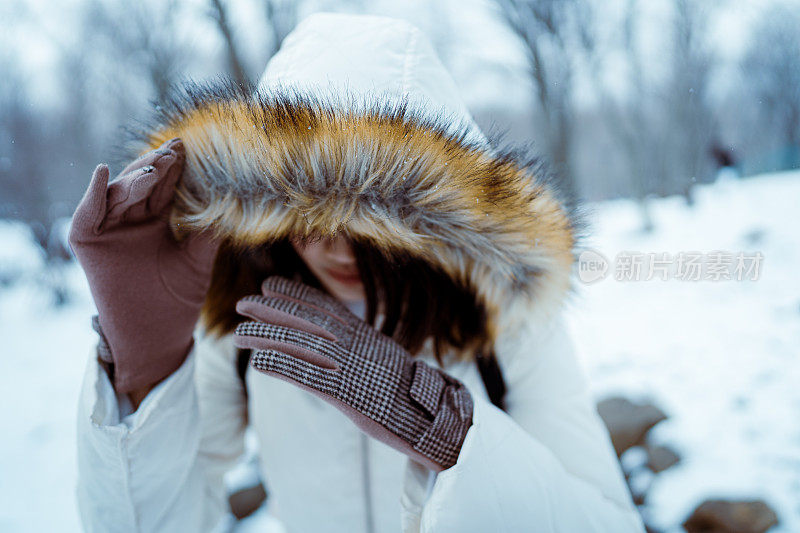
(419,300)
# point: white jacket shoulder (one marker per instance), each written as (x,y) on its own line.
(546,463)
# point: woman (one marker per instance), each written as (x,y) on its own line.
(357,188)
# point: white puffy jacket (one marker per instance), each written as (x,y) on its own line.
(546,464)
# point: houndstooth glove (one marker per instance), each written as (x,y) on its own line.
(310,339)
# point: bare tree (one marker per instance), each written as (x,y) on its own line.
(21,165)
(691,118)
(630,118)
(142,37)
(772,70)
(44,148)
(554,33)
(281,18)
(218,11)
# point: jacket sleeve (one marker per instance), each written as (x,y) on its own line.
(160,468)
(546,464)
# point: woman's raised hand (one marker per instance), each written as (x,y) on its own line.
(148,287)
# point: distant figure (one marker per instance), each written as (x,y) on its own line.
(727,167)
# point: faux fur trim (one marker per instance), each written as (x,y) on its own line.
(260,167)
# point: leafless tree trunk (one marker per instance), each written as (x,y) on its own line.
(692,121)
(142,36)
(219,14)
(552,31)
(631,119)
(772,70)
(22,165)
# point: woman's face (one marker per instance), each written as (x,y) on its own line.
(333,262)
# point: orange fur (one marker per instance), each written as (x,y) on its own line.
(263,168)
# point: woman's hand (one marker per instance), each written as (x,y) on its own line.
(147,286)
(303,336)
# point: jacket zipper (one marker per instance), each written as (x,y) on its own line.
(365,474)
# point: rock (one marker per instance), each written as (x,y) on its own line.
(659,458)
(731,516)
(628,422)
(246,501)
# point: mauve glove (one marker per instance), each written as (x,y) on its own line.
(310,339)
(147,286)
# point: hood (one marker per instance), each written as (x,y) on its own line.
(357,129)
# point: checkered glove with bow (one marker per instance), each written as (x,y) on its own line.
(308,338)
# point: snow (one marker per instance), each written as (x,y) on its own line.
(44,353)
(17,254)
(720,358)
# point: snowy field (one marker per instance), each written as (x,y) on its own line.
(720,357)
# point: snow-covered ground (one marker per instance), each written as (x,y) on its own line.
(44,353)
(720,357)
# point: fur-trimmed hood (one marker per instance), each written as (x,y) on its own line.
(357,129)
